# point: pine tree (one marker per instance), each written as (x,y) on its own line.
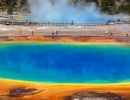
(1,5)
(108,6)
(9,4)
(104,5)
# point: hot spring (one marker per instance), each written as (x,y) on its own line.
(64,11)
(65,63)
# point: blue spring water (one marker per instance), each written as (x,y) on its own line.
(65,63)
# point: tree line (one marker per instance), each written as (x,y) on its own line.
(11,5)
(110,6)
(107,6)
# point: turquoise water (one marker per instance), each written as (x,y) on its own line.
(65,63)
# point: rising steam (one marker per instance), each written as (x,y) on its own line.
(65,11)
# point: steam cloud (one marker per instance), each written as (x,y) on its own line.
(65,11)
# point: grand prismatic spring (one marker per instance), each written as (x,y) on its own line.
(65,63)
(72,61)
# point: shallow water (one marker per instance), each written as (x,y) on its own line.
(65,63)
